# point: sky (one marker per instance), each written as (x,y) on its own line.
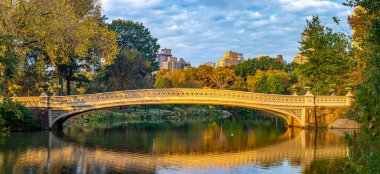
(202,30)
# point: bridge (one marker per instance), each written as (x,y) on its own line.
(298,110)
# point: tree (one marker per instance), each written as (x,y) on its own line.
(267,63)
(365,147)
(136,35)
(239,84)
(176,79)
(328,55)
(203,75)
(272,82)
(222,78)
(163,82)
(129,71)
(247,68)
(61,32)
(263,63)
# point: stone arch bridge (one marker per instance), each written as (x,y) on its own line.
(52,111)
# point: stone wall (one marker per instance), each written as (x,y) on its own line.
(40,115)
(325,115)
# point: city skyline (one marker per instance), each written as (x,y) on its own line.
(202,31)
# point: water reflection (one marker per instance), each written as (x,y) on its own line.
(218,147)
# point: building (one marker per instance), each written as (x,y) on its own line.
(300,59)
(212,64)
(166,60)
(163,56)
(231,58)
(182,64)
(221,62)
(280,59)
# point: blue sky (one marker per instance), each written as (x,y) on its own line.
(202,30)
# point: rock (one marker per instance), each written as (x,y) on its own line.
(226,114)
(344,124)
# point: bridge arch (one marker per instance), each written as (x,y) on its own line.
(288,107)
(288,117)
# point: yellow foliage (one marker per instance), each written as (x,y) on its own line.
(81,90)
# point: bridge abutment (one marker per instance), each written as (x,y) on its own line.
(41,117)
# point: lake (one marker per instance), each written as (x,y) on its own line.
(239,144)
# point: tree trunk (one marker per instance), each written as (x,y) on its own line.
(69,77)
(68,86)
(60,80)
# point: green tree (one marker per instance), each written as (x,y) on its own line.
(263,63)
(163,82)
(272,82)
(129,71)
(247,68)
(136,35)
(329,59)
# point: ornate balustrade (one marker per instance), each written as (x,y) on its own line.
(33,102)
(180,94)
(331,100)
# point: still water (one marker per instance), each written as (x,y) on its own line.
(240,144)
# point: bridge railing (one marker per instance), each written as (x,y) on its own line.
(184,94)
(180,94)
(32,101)
(331,100)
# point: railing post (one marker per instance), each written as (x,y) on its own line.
(44,100)
(45,103)
(349,96)
(309,105)
(309,97)
(294,91)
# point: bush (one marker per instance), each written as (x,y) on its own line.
(15,117)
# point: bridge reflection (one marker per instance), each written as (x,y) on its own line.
(299,147)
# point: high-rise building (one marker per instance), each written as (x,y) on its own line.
(280,59)
(182,64)
(300,59)
(166,60)
(163,56)
(230,58)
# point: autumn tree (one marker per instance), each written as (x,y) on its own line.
(61,32)
(203,75)
(176,79)
(365,147)
(222,78)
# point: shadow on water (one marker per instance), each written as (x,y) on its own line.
(223,146)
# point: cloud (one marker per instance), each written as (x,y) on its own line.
(298,5)
(201,31)
(135,4)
